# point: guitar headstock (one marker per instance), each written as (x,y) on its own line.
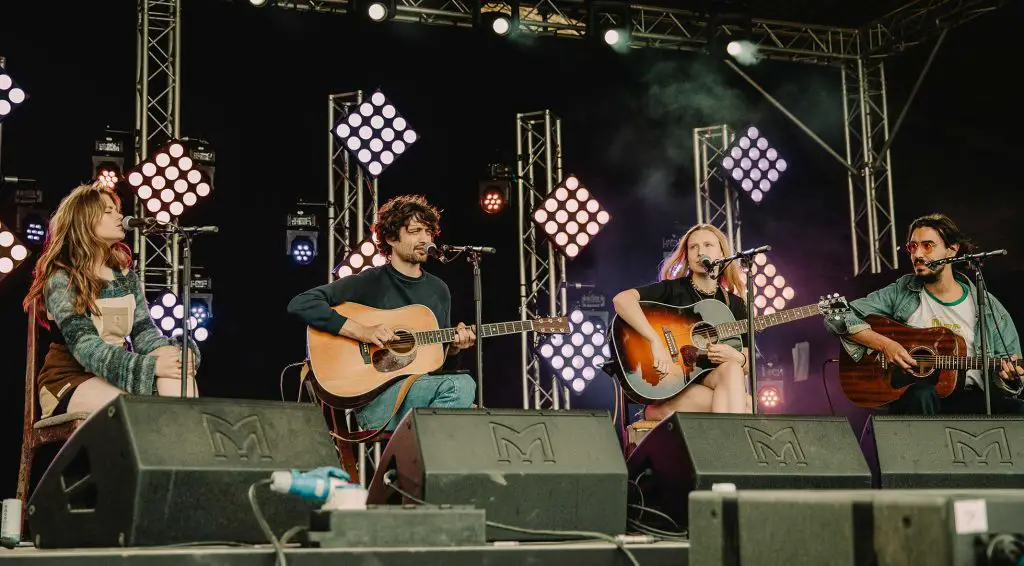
(833,306)
(551,325)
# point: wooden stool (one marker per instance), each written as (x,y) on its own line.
(35,433)
(636,432)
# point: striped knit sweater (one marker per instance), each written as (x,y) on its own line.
(98,340)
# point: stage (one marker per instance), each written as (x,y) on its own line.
(590,553)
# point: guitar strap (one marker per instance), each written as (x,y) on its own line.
(366,435)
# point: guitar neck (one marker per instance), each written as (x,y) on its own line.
(737,327)
(966,362)
(443,335)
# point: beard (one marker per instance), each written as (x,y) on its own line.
(411,256)
(932,275)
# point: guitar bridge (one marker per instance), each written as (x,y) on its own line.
(364,351)
(673,348)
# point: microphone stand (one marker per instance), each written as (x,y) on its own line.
(982,312)
(974,261)
(186,233)
(746,258)
(474,258)
(747,262)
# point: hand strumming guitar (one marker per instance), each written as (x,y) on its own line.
(378,335)
(662,360)
(896,353)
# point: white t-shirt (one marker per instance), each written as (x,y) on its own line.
(960,316)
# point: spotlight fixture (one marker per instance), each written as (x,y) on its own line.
(771,291)
(167,312)
(770,394)
(610,22)
(12,251)
(577,357)
(32,225)
(174,178)
(108,153)
(301,237)
(495,190)
(379,10)
(500,18)
(363,256)
(375,133)
(11,95)
(570,216)
(753,163)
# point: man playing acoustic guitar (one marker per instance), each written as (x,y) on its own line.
(929,298)
(405,225)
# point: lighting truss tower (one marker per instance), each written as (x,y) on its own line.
(718,203)
(541,268)
(157,120)
(872,225)
(350,219)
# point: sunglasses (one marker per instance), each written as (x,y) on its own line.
(927,246)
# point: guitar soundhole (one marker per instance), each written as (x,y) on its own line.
(703,335)
(925,367)
(405,343)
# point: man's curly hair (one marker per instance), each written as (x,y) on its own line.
(397,212)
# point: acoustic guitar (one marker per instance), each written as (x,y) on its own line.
(941,358)
(348,374)
(686,332)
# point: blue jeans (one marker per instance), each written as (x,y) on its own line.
(452,391)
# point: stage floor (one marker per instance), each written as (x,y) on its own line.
(589,553)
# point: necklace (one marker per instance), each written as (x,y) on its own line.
(693,282)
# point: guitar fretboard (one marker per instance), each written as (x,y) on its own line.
(965,362)
(443,335)
(735,328)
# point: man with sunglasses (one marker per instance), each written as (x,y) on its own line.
(937,297)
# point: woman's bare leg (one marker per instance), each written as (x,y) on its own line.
(167,387)
(696,398)
(91,395)
(730,388)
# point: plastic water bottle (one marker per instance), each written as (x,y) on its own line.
(10,523)
(328,486)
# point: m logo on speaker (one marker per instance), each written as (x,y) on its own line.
(982,446)
(522,442)
(246,436)
(782,448)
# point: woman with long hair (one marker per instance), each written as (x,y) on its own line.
(683,281)
(104,342)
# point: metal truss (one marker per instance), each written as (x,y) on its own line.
(718,203)
(541,268)
(349,220)
(872,219)
(921,20)
(157,120)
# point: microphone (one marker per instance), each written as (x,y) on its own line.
(134,223)
(474,249)
(963,258)
(433,251)
(707,263)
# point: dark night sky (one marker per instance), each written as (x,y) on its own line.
(255,82)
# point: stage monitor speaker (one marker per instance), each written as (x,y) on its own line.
(693,451)
(948,451)
(856,527)
(545,470)
(154,470)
